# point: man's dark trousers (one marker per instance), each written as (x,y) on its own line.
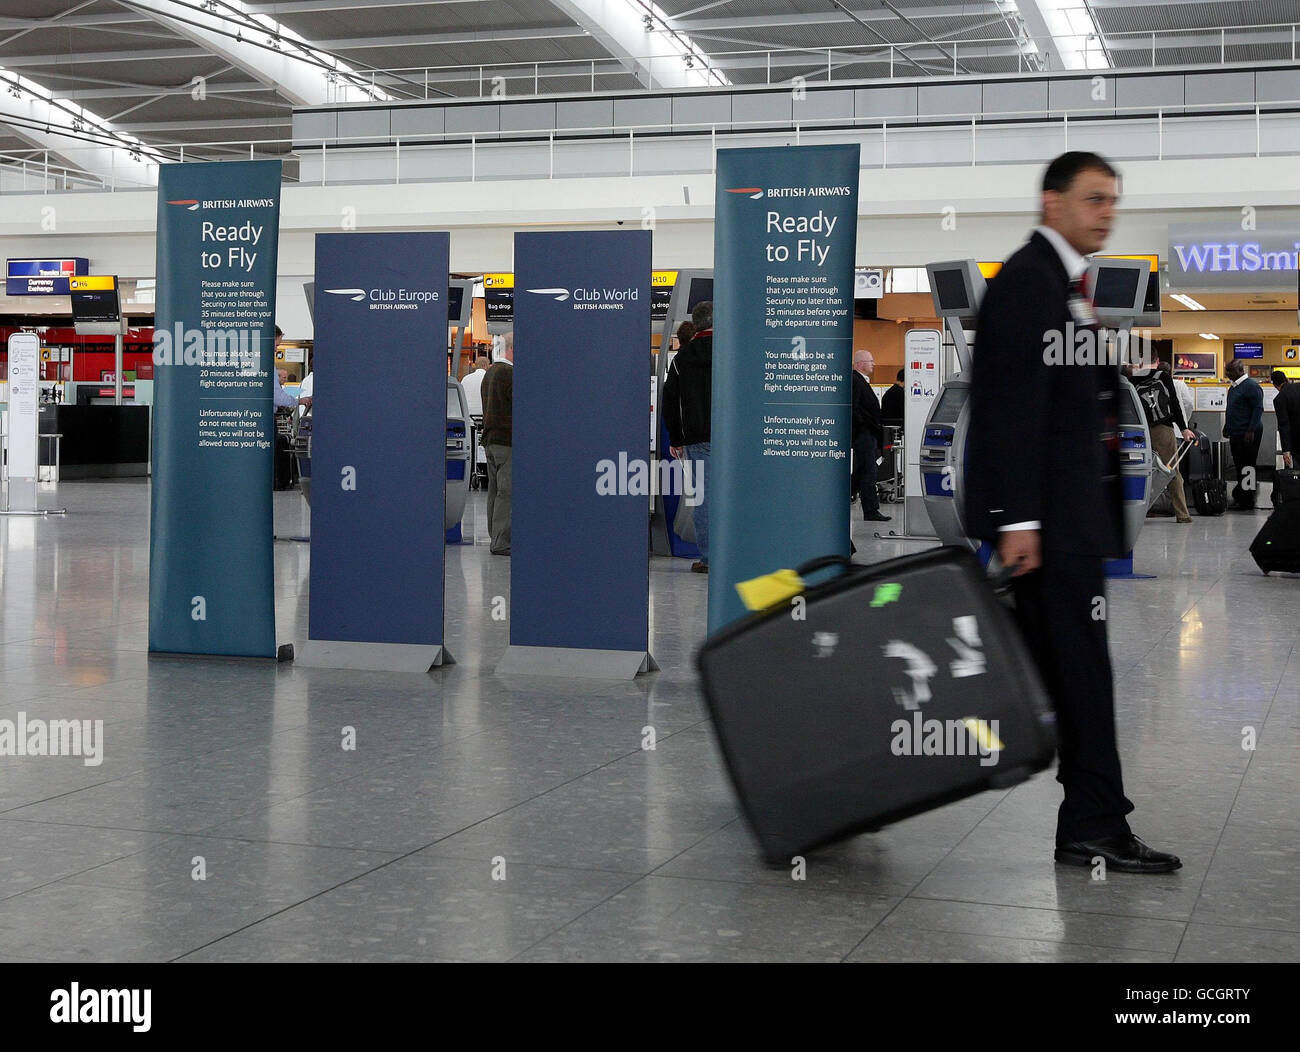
(865,453)
(1061,611)
(1244,455)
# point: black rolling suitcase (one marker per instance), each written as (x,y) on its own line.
(1277,545)
(1209,487)
(890,690)
(1286,486)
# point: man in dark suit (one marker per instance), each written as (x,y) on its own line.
(1286,406)
(1042,485)
(868,437)
(1243,427)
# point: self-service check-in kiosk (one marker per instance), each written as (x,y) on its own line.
(1119,297)
(957,287)
(458,453)
(1119,291)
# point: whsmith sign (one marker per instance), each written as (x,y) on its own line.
(1231,258)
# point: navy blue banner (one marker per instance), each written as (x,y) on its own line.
(785,229)
(379,409)
(210,534)
(579,574)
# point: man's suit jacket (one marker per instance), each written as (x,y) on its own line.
(1042,442)
(866,409)
(1287,407)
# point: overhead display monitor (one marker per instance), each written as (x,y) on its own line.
(499,303)
(661,294)
(1196,363)
(96,308)
(1150,316)
(957,287)
(1248,350)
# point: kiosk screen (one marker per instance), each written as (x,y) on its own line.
(951,287)
(950,405)
(455,302)
(1117,288)
(701,291)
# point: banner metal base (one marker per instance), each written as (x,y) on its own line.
(576,662)
(373,657)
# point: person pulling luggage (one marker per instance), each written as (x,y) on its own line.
(1054,513)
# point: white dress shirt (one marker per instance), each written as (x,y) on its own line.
(473,385)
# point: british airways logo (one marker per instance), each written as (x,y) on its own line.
(356,295)
(559,295)
(752,192)
(190,206)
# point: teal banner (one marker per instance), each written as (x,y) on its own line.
(210,534)
(778,486)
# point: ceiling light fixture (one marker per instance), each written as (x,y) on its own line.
(1208,336)
(1187,302)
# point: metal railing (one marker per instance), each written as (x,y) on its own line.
(565,76)
(979,127)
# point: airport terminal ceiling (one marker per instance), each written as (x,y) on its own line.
(159,76)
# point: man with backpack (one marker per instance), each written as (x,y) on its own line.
(1164,412)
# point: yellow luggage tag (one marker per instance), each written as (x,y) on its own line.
(983,734)
(763,593)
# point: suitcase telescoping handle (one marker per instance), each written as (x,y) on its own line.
(825,562)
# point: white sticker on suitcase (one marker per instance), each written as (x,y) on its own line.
(970,654)
(921,668)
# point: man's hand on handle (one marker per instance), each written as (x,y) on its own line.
(1020,551)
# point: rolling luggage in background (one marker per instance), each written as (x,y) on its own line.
(1286,486)
(1200,462)
(889,690)
(1210,496)
(1209,488)
(1277,545)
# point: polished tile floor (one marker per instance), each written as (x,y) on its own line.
(484,819)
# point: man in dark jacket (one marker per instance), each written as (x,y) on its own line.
(1287,408)
(868,437)
(1042,484)
(1243,427)
(688,415)
(498,393)
(892,404)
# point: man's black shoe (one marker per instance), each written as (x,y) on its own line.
(1123,854)
(877,517)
